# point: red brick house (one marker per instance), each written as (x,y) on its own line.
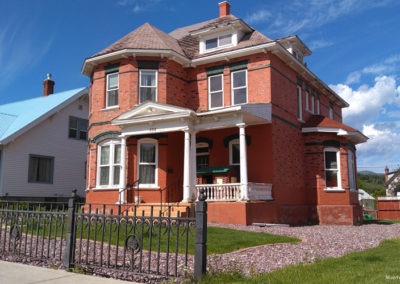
(218,105)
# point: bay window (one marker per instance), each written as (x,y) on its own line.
(332,168)
(109,164)
(148,86)
(112,90)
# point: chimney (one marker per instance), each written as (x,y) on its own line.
(48,86)
(224,9)
(386,174)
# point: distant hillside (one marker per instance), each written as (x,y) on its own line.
(372,183)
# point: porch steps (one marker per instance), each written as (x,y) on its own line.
(176,209)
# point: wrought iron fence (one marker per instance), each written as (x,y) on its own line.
(100,241)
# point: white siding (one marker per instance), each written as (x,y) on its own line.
(50,138)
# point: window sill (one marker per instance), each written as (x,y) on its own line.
(110,108)
(334,189)
(147,186)
(105,188)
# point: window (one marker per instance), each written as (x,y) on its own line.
(78,128)
(215,91)
(41,169)
(219,41)
(332,173)
(307,100)
(112,90)
(330,111)
(202,155)
(317,108)
(109,163)
(234,152)
(148,161)
(148,86)
(299,104)
(239,87)
(352,170)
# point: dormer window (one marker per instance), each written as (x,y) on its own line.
(216,42)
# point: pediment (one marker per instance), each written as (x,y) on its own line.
(151,110)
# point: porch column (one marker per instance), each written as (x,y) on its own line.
(193,167)
(186,168)
(243,163)
(122,174)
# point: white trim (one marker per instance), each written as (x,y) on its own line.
(149,141)
(351,168)
(338,168)
(230,146)
(112,143)
(233,89)
(209,91)
(156,84)
(111,90)
(299,97)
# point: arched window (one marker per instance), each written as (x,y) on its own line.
(332,168)
(148,162)
(108,163)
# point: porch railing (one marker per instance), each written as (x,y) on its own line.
(220,192)
(231,191)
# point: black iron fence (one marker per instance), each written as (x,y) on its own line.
(129,246)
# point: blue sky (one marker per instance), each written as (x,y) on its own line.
(355,45)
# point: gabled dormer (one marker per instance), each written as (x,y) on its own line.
(225,32)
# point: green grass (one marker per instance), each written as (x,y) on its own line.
(376,265)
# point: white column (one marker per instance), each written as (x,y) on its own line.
(186,168)
(193,167)
(122,173)
(243,162)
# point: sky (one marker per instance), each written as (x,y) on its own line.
(355,48)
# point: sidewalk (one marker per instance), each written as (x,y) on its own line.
(17,273)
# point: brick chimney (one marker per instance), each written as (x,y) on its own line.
(224,9)
(48,86)
(386,174)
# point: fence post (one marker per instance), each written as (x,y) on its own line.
(200,257)
(69,256)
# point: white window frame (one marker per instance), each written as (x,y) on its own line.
(351,166)
(109,90)
(307,100)
(111,165)
(238,88)
(339,179)
(299,103)
(148,185)
(211,93)
(155,86)
(317,105)
(331,111)
(231,143)
(203,43)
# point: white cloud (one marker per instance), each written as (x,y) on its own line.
(320,43)
(368,102)
(260,16)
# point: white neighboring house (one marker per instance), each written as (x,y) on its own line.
(43,145)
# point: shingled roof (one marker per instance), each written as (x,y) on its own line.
(144,37)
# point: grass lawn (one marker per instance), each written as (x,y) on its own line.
(376,265)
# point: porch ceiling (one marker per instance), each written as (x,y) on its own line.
(154,117)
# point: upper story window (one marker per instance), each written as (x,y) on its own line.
(317,105)
(41,169)
(332,168)
(218,42)
(148,86)
(147,153)
(109,163)
(239,87)
(299,103)
(215,91)
(78,128)
(331,111)
(112,90)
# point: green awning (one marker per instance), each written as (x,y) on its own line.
(214,170)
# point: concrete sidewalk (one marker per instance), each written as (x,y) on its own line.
(17,273)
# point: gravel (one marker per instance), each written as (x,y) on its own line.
(317,242)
